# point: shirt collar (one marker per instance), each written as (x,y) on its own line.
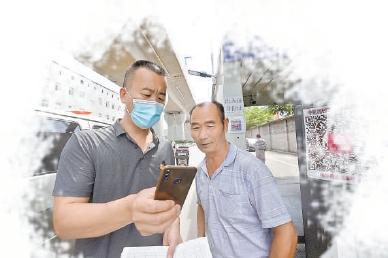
(230,158)
(119,130)
(231,155)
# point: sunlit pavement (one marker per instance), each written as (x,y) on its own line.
(284,167)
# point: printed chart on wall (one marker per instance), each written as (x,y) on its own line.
(330,151)
(234,109)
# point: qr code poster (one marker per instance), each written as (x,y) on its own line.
(329,147)
(237,125)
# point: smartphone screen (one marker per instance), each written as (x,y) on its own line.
(174,183)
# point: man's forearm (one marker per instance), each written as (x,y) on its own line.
(200,222)
(84,220)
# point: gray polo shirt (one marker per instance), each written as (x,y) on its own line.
(107,164)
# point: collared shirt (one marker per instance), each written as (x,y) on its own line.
(242,204)
(107,164)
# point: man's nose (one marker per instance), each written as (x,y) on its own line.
(202,133)
(153,97)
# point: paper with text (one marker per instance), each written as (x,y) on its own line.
(195,248)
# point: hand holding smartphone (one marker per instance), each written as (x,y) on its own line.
(174,183)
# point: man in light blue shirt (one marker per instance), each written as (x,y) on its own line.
(240,209)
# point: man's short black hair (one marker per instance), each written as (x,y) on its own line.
(219,106)
(129,73)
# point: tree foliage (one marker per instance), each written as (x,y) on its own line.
(257,115)
(282,110)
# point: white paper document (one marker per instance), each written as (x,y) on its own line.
(196,248)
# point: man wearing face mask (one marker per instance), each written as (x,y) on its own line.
(103,194)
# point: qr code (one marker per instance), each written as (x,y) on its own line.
(322,154)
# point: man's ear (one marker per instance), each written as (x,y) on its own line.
(123,96)
(226,125)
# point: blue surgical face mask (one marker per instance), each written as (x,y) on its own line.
(145,113)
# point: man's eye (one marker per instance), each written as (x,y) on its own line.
(194,128)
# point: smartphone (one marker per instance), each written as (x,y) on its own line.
(174,183)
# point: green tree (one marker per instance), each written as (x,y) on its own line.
(256,115)
(283,110)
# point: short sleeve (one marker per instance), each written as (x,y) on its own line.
(265,197)
(75,176)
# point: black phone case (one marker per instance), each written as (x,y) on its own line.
(174,183)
